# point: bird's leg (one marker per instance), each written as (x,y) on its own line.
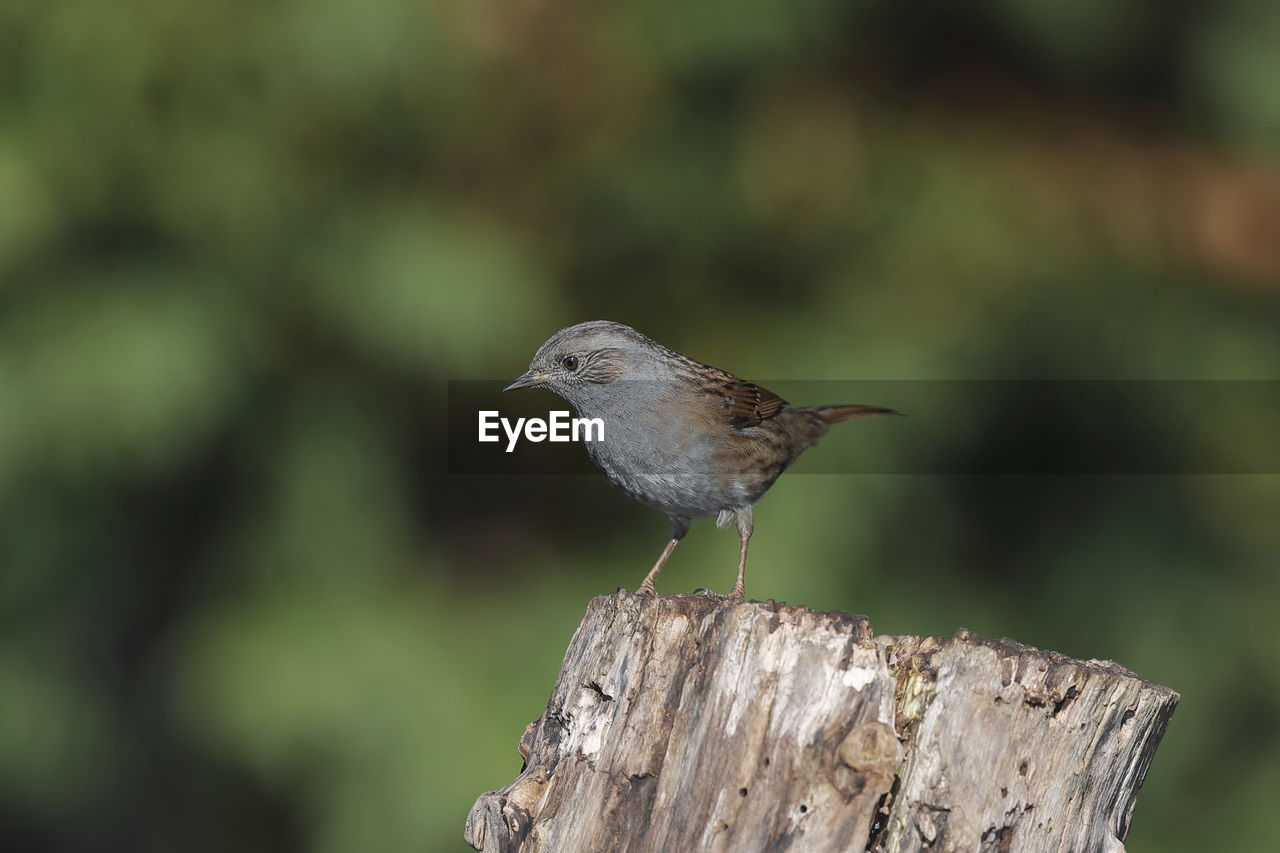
(746,523)
(679,527)
(646,587)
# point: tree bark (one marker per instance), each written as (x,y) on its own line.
(690,723)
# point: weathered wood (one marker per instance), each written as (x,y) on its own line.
(683,723)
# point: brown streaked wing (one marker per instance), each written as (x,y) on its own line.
(748,404)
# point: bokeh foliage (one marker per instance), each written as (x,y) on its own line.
(243,246)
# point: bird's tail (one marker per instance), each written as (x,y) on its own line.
(806,425)
(836,414)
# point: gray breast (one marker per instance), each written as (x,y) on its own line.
(658,462)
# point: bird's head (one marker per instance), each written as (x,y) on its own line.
(580,362)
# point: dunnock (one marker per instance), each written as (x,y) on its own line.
(683,437)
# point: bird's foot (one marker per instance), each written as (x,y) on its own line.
(739,592)
(646,588)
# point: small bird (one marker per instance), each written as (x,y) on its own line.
(683,437)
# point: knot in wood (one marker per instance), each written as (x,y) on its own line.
(871,748)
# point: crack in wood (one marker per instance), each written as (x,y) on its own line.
(594,686)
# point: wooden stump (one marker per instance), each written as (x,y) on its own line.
(690,723)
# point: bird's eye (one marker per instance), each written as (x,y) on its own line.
(570,362)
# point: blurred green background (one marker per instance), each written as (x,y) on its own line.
(243,246)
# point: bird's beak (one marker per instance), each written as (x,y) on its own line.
(529,380)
